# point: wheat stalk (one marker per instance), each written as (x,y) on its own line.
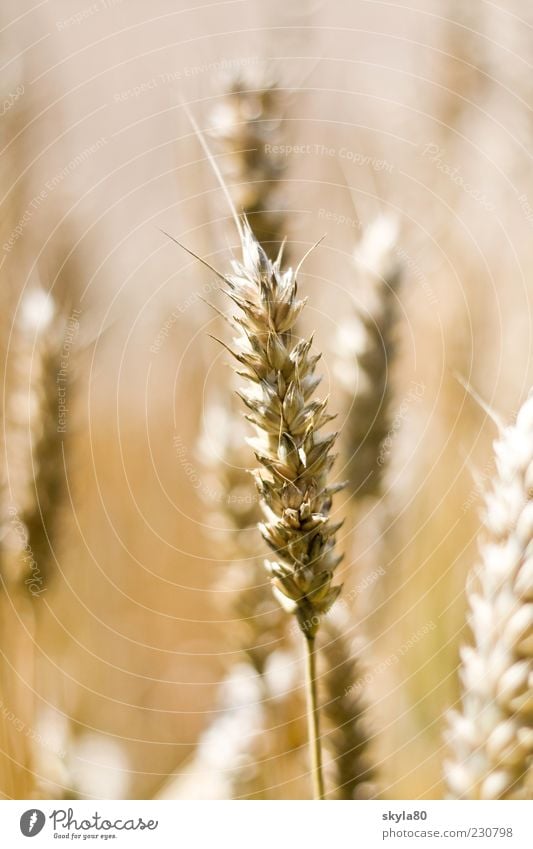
(242,124)
(365,350)
(491,735)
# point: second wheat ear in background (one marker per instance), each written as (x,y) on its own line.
(294,455)
(491,735)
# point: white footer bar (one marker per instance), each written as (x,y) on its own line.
(268,825)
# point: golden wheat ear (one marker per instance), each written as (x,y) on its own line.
(38,380)
(35,435)
(346,739)
(365,355)
(244,124)
(491,734)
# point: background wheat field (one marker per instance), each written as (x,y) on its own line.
(126,668)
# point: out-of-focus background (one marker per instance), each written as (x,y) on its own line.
(112,673)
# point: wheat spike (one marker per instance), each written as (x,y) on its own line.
(295,458)
(491,735)
(34,443)
(31,497)
(345,739)
(365,349)
(244,124)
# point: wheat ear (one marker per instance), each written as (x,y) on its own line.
(491,735)
(345,738)
(365,348)
(365,351)
(244,124)
(35,440)
(31,497)
(295,457)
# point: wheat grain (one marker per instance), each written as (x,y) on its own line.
(491,736)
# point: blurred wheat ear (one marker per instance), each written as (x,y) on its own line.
(256,624)
(346,740)
(245,124)
(36,429)
(365,352)
(32,496)
(491,735)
